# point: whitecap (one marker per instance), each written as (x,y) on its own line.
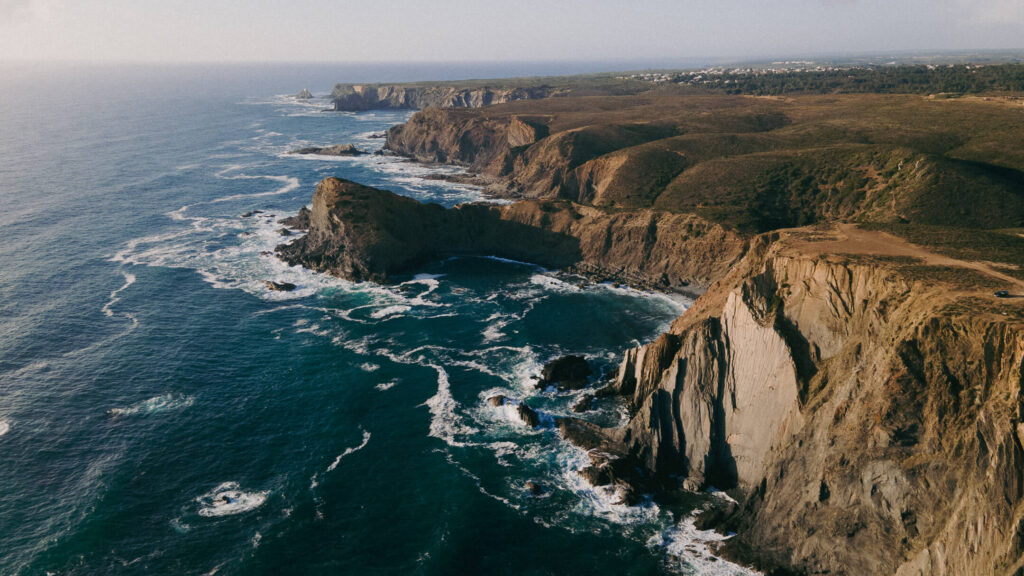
(5,427)
(386,385)
(156,404)
(369,367)
(227,499)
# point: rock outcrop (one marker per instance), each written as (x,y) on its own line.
(359,97)
(567,372)
(304,94)
(872,423)
(361,233)
(336,150)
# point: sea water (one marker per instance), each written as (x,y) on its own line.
(162,412)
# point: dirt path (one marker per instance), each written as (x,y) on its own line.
(853,240)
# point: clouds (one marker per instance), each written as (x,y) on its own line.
(24,11)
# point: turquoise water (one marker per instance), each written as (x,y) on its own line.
(145,373)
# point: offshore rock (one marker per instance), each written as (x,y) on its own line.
(304,95)
(567,372)
(337,150)
(528,415)
(279,286)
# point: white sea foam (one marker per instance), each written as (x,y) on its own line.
(227,499)
(553,283)
(388,311)
(366,440)
(5,427)
(386,385)
(154,405)
(369,367)
(691,547)
(445,422)
(129,279)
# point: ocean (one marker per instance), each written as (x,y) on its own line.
(162,412)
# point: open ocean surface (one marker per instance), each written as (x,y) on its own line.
(145,371)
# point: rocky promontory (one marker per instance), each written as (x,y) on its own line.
(362,233)
(359,97)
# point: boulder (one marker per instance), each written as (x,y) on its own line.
(567,372)
(529,415)
(279,286)
(534,488)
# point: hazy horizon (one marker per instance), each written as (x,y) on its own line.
(658,32)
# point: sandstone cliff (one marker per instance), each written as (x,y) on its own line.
(872,422)
(358,97)
(362,233)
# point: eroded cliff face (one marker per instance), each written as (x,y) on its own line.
(873,424)
(355,97)
(361,233)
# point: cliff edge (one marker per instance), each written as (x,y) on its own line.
(870,420)
(362,233)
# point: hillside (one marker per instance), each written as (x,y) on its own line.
(753,164)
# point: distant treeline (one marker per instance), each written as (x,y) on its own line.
(956,79)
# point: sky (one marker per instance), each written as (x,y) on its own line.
(485,30)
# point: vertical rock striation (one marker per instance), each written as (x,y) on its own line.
(872,428)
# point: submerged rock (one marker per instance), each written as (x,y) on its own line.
(252,213)
(567,372)
(534,488)
(279,286)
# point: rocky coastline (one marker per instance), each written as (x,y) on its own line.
(361,97)
(866,416)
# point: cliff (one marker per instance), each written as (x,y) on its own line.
(359,97)
(361,233)
(860,395)
(752,164)
(872,422)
